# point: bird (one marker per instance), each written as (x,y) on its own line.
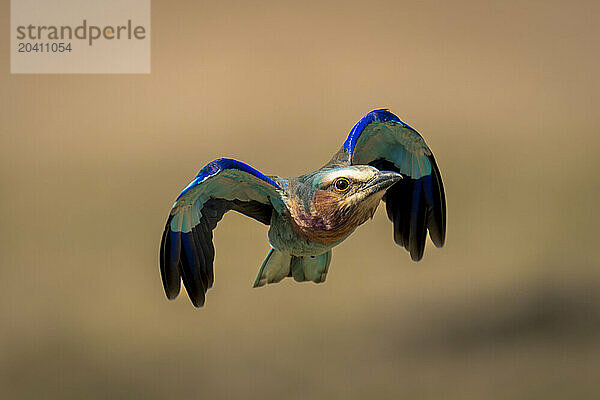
(382,159)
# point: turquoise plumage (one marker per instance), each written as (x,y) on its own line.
(382,159)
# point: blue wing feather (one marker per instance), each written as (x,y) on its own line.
(214,167)
(417,203)
(382,115)
(187,252)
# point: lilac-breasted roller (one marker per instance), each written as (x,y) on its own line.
(382,159)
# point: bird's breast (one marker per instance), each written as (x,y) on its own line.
(328,220)
(287,237)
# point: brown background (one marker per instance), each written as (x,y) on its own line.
(506,94)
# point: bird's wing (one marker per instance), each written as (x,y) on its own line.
(186,250)
(416,203)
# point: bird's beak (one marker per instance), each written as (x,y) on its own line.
(382,181)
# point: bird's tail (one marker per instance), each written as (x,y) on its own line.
(278,265)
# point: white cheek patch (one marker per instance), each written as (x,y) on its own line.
(356,173)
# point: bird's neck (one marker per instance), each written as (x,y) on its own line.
(320,217)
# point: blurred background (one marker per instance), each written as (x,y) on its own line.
(506,94)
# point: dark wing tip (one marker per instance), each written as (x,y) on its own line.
(416,206)
(437,217)
(183,257)
(192,271)
(169,270)
(409,215)
(418,220)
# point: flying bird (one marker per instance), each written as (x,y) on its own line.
(382,159)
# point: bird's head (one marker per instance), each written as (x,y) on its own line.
(355,186)
(329,204)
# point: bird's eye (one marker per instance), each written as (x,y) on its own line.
(341,184)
